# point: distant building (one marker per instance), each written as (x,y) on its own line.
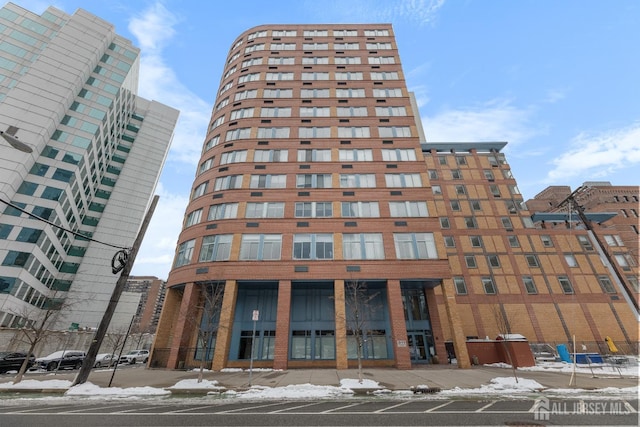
(68,89)
(152,291)
(315,177)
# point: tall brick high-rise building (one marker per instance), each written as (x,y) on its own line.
(315,179)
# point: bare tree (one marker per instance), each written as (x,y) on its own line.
(205,319)
(359,306)
(115,339)
(51,311)
(504,327)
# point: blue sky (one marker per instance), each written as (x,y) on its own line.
(558,80)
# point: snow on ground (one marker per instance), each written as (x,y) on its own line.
(629,370)
(193,384)
(91,390)
(499,386)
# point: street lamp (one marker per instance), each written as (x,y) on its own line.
(10,136)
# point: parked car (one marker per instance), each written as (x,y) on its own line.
(105,359)
(63,359)
(12,361)
(135,356)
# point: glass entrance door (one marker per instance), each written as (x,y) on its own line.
(417,347)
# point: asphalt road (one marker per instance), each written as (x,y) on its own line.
(347,412)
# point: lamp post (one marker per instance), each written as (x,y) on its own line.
(10,136)
(126,263)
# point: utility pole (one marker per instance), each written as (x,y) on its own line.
(85,370)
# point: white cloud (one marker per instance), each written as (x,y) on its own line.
(153,29)
(497,120)
(422,12)
(597,156)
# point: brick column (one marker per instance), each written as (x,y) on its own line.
(164,331)
(341,325)
(398,325)
(457,332)
(225,326)
(183,327)
(283,317)
(436,324)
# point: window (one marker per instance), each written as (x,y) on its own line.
(239,156)
(254,48)
(495,190)
(513,241)
(390,111)
(345,33)
(267,156)
(314,111)
(351,111)
(265,210)
(571,260)
(314,155)
(455,205)
(585,243)
(349,75)
(16,258)
(565,284)
(346,46)
(313,210)
(415,246)
(260,247)
(461,190)
(494,261)
(408,209)
(246,94)
(460,285)
(444,223)
(506,222)
(257,34)
(309,60)
(312,246)
(384,75)
(282,46)
(242,113)
(546,241)
(378,46)
(382,60)
(349,93)
(226,87)
(314,93)
(252,61)
(284,33)
(532,260)
(184,253)
(241,133)
(362,246)
(206,165)
(606,285)
(277,93)
(437,190)
(403,180)
(488,174)
(274,132)
(193,218)
(356,155)
(456,174)
(315,46)
(360,210)
(222,103)
(275,112)
(314,76)
(470,222)
(344,60)
(364,180)
(223,211)
(229,72)
(476,241)
(252,77)
(353,132)
(281,60)
(624,261)
(387,93)
(470,261)
(316,33)
(633,281)
(529,285)
(449,242)
(475,205)
(268,181)
(374,33)
(217,122)
(613,240)
(313,181)
(314,132)
(398,155)
(199,190)
(216,248)
(488,285)
(228,182)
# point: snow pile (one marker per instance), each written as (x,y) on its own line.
(193,384)
(88,389)
(353,384)
(500,386)
(294,391)
(629,370)
(37,385)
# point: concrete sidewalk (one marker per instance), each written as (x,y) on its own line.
(436,376)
